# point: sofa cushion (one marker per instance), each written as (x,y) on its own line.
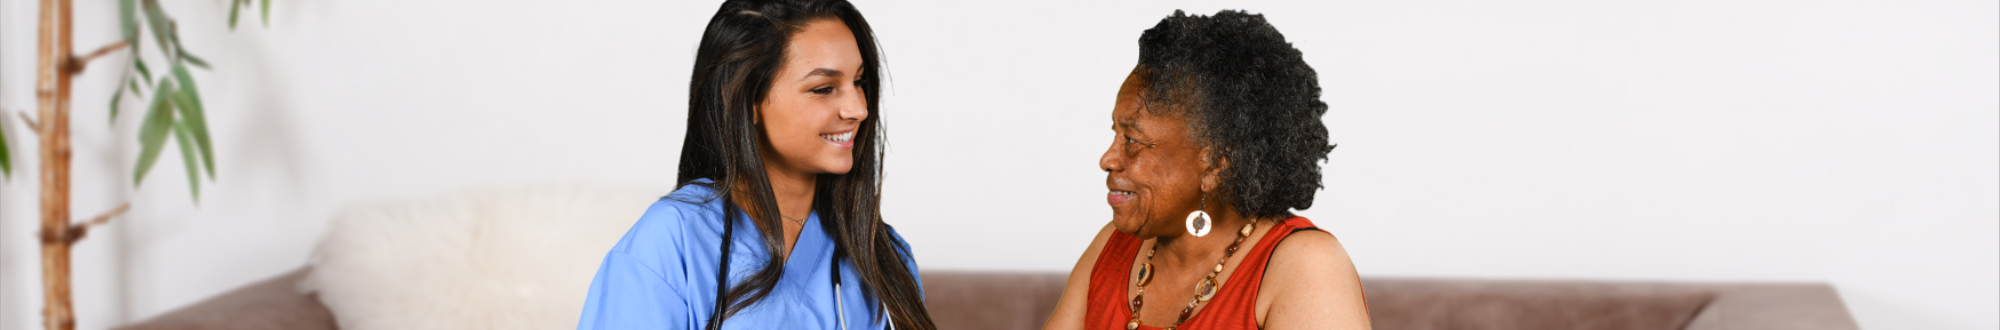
(519,258)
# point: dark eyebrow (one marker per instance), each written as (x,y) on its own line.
(830,73)
(1129,124)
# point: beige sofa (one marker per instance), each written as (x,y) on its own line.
(516,258)
(1001,300)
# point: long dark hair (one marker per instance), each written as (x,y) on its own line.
(740,53)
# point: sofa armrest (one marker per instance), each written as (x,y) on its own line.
(1774,307)
(274,303)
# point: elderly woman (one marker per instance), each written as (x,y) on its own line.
(1218,139)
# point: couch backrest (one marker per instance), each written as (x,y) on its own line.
(1023,300)
(991,300)
(1526,305)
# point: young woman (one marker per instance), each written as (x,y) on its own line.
(776,223)
(1218,138)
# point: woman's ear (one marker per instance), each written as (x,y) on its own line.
(1211,178)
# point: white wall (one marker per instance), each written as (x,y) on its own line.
(1851,142)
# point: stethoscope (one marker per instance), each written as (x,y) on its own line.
(722,281)
(840,306)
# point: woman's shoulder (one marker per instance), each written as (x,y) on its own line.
(1072,308)
(1309,251)
(897,238)
(909,256)
(1308,246)
(666,224)
(1108,235)
(1107,238)
(693,200)
(1309,274)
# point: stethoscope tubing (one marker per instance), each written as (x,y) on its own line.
(840,306)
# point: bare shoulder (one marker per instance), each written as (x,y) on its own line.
(1070,308)
(1088,261)
(1097,243)
(1311,283)
(1311,249)
(1309,261)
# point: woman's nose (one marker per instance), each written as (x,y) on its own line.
(1109,161)
(856,107)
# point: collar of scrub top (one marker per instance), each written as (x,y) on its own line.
(722,278)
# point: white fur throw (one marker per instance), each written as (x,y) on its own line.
(492,259)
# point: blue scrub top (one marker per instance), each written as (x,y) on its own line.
(661,275)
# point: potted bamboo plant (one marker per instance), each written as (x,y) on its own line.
(173,110)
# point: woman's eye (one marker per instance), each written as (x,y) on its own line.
(823,90)
(1132,146)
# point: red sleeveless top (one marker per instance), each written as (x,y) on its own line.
(1233,307)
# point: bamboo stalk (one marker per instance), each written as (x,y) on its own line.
(52,97)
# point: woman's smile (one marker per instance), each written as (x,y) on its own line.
(843,140)
(1119,197)
(1121,191)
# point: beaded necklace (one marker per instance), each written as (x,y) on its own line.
(1203,291)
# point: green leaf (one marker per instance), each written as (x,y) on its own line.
(191,59)
(143,72)
(128,22)
(6,159)
(153,132)
(189,102)
(175,35)
(234,7)
(116,95)
(267,11)
(188,159)
(162,26)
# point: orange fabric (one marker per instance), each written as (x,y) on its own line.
(1234,307)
